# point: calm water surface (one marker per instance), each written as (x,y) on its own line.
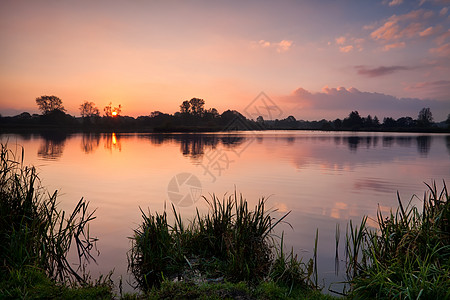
(323,178)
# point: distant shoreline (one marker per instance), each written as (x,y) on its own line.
(228,121)
(39,130)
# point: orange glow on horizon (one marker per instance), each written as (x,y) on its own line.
(114,113)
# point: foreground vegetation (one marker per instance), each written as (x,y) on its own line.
(231,243)
(408,257)
(230,252)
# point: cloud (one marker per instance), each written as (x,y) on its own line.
(439,89)
(380,71)
(402,26)
(283,46)
(338,102)
(443,11)
(340,40)
(427,32)
(442,38)
(388,31)
(395,2)
(393,46)
(347,45)
(443,50)
(280,47)
(264,43)
(346,49)
(429,84)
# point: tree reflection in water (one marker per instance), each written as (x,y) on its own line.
(195,146)
(423,144)
(52,146)
(90,142)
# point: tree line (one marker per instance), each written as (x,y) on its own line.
(193,116)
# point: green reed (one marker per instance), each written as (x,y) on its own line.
(230,242)
(33,232)
(408,256)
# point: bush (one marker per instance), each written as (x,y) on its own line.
(33,232)
(409,256)
(230,243)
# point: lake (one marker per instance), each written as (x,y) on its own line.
(322,178)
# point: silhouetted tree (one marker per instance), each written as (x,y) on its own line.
(405,122)
(108,110)
(197,106)
(211,114)
(88,109)
(337,124)
(368,122)
(425,116)
(47,104)
(185,107)
(389,122)
(155,114)
(117,110)
(375,121)
(291,119)
(112,112)
(354,120)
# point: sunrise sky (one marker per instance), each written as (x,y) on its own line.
(314,59)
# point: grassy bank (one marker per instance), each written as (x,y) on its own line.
(407,256)
(231,243)
(229,252)
(36,237)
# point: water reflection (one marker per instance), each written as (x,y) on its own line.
(195,146)
(423,144)
(112,141)
(353,142)
(447,143)
(404,141)
(375,185)
(90,142)
(388,141)
(52,145)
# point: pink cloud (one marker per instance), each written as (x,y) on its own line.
(264,43)
(395,2)
(428,84)
(439,89)
(346,49)
(443,37)
(388,31)
(340,40)
(443,50)
(401,26)
(393,46)
(283,46)
(338,102)
(280,47)
(427,32)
